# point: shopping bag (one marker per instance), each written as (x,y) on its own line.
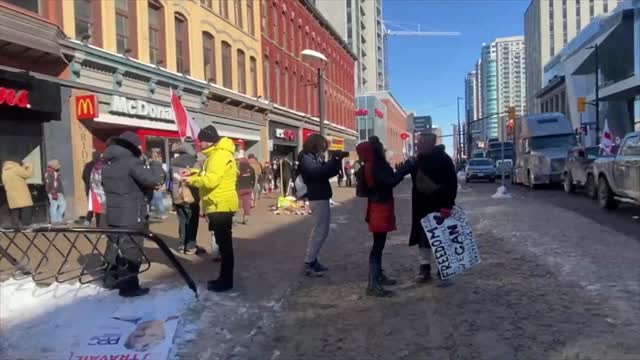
(452,243)
(301,187)
(184,197)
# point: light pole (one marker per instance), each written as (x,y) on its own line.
(459,150)
(322,60)
(596,101)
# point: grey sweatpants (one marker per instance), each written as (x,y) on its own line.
(321,215)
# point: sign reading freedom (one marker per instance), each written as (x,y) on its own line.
(452,243)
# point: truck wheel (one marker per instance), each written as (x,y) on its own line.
(568,183)
(592,192)
(605,195)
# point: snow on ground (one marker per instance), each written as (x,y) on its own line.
(501,193)
(47,322)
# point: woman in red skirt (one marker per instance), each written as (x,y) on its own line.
(376,182)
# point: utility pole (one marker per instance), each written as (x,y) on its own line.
(597,99)
(459,150)
(321,101)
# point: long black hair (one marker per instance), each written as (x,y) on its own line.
(379,157)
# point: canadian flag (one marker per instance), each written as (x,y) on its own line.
(187,126)
(607,139)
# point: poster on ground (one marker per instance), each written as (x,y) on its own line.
(452,243)
(144,336)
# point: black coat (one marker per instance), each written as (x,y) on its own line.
(385,179)
(439,167)
(316,174)
(127,182)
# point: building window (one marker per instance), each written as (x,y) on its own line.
(209,56)
(266,65)
(237,12)
(84,26)
(242,72)
(182,43)
(264,23)
(578,24)
(277,80)
(156,33)
(292,38)
(207,3)
(286,88)
(284,41)
(122,26)
(591,10)
(226,66)
(565,36)
(605,6)
(31,5)
(253,72)
(275,36)
(250,19)
(223,9)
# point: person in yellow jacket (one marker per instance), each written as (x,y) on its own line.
(216,183)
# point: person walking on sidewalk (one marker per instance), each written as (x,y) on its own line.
(217,185)
(86,179)
(246,184)
(186,198)
(55,192)
(267,175)
(377,182)
(257,170)
(316,173)
(14,179)
(348,174)
(157,200)
(435,186)
(127,182)
(97,197)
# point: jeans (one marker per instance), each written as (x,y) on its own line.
(157,203)
(57,208)
(321,214)
(220,223)
(188,217)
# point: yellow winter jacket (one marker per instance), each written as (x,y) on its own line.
(216,181)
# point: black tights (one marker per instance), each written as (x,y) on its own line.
(379,239)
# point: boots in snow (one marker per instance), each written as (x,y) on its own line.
(386,281)
(424,275)
(374,288)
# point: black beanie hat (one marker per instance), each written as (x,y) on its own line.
(209,134)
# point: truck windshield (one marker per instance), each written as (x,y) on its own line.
(480,163)
(553,141)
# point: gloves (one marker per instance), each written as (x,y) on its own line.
(445,213)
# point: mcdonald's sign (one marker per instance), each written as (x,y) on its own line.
(86,107)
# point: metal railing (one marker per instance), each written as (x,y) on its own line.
(65,253)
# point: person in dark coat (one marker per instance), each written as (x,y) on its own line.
(188,213)
(316,174)
(245,185)
(378,180)
(127,183)
(435,186)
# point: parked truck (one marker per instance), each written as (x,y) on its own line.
(618,176)
(541,145)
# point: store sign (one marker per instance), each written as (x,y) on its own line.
(306,133)
(86,107)
(336,144)
(140,108)
(379,113)
(286,134)
(362,112)
(13,97)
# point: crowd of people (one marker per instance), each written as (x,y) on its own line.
(124,188)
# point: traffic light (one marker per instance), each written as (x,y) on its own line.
(512,113)
(582,104)
(511,124)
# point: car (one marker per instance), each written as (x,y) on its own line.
(480,169)
(578,171)
(504,167)
(617,177)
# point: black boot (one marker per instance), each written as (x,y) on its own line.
(219,285)
(424,275)
(386,281)
(374,288)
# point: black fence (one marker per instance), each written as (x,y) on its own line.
(64,254)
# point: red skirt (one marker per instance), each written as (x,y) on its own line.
(381,217)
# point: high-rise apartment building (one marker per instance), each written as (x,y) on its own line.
(510,65)
(470,96)
(478,113)
(489,88)
(360,23)
(549,26)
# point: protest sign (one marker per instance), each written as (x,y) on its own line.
(130,337)
(452,243)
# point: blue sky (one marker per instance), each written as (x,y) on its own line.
(427,73)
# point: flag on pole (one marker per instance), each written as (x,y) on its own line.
(187,126)
(607,139)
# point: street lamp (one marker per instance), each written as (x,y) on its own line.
(321,61)
(596,101)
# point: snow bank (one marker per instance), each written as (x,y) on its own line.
(501,193)
(48,322)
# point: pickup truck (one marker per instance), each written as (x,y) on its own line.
(578,169)
(618,177)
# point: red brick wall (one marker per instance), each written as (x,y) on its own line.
(396,125)
(288,27)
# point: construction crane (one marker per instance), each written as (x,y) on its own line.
(386,31)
